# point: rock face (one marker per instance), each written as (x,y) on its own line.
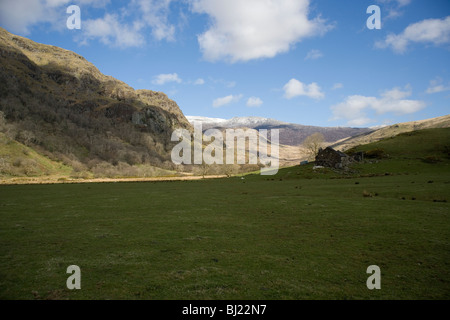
(72,109)
(331,158)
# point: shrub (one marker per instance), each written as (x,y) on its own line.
(80,175)
(375,154)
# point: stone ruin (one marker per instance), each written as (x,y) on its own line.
(331,158)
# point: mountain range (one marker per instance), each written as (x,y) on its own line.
(291,134)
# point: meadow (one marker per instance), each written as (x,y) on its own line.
(301,234)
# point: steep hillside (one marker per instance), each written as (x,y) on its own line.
(58,103)
(391,131)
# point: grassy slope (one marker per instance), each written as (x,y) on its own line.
(21,160)
(391,131)
(22,164)
(298,235)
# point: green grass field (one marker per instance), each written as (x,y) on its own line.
(301,234)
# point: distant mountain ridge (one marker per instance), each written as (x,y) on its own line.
(291,134)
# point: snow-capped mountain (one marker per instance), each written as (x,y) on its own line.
(236,122)
(290,133)
(205,120)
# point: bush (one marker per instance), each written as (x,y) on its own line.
(4,166)
(375,154)
(80,175)
(104,170)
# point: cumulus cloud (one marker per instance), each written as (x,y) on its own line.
(429,31)
(253,29)
(355,107)
(19,16)
(155,14)
(111,31)
(254,102)
(219,102)
(437,86)
(314,54)
(165,78)
(147,16)
(295,88)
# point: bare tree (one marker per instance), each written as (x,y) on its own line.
(27,137)
(3,165)
(204,169)
(2,120)
(230,169)
(313,143)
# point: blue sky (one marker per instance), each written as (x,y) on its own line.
(308,62)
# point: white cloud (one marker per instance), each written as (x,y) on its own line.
(155,14)
(199,82)
(403,2)
(110,31)
(230,84)
(314,54)
(223,82)
(296,88)
(337,86)
(165,78)
(393,7)
(93,3)
(436,86)
(19,16)
(253,29)
(359,122)
(429,31)
(354,107)
(254,102)
(219,102)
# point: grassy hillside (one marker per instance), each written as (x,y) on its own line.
(17,159)
(302,234)
(414,145)
(392,131)
(409,153)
